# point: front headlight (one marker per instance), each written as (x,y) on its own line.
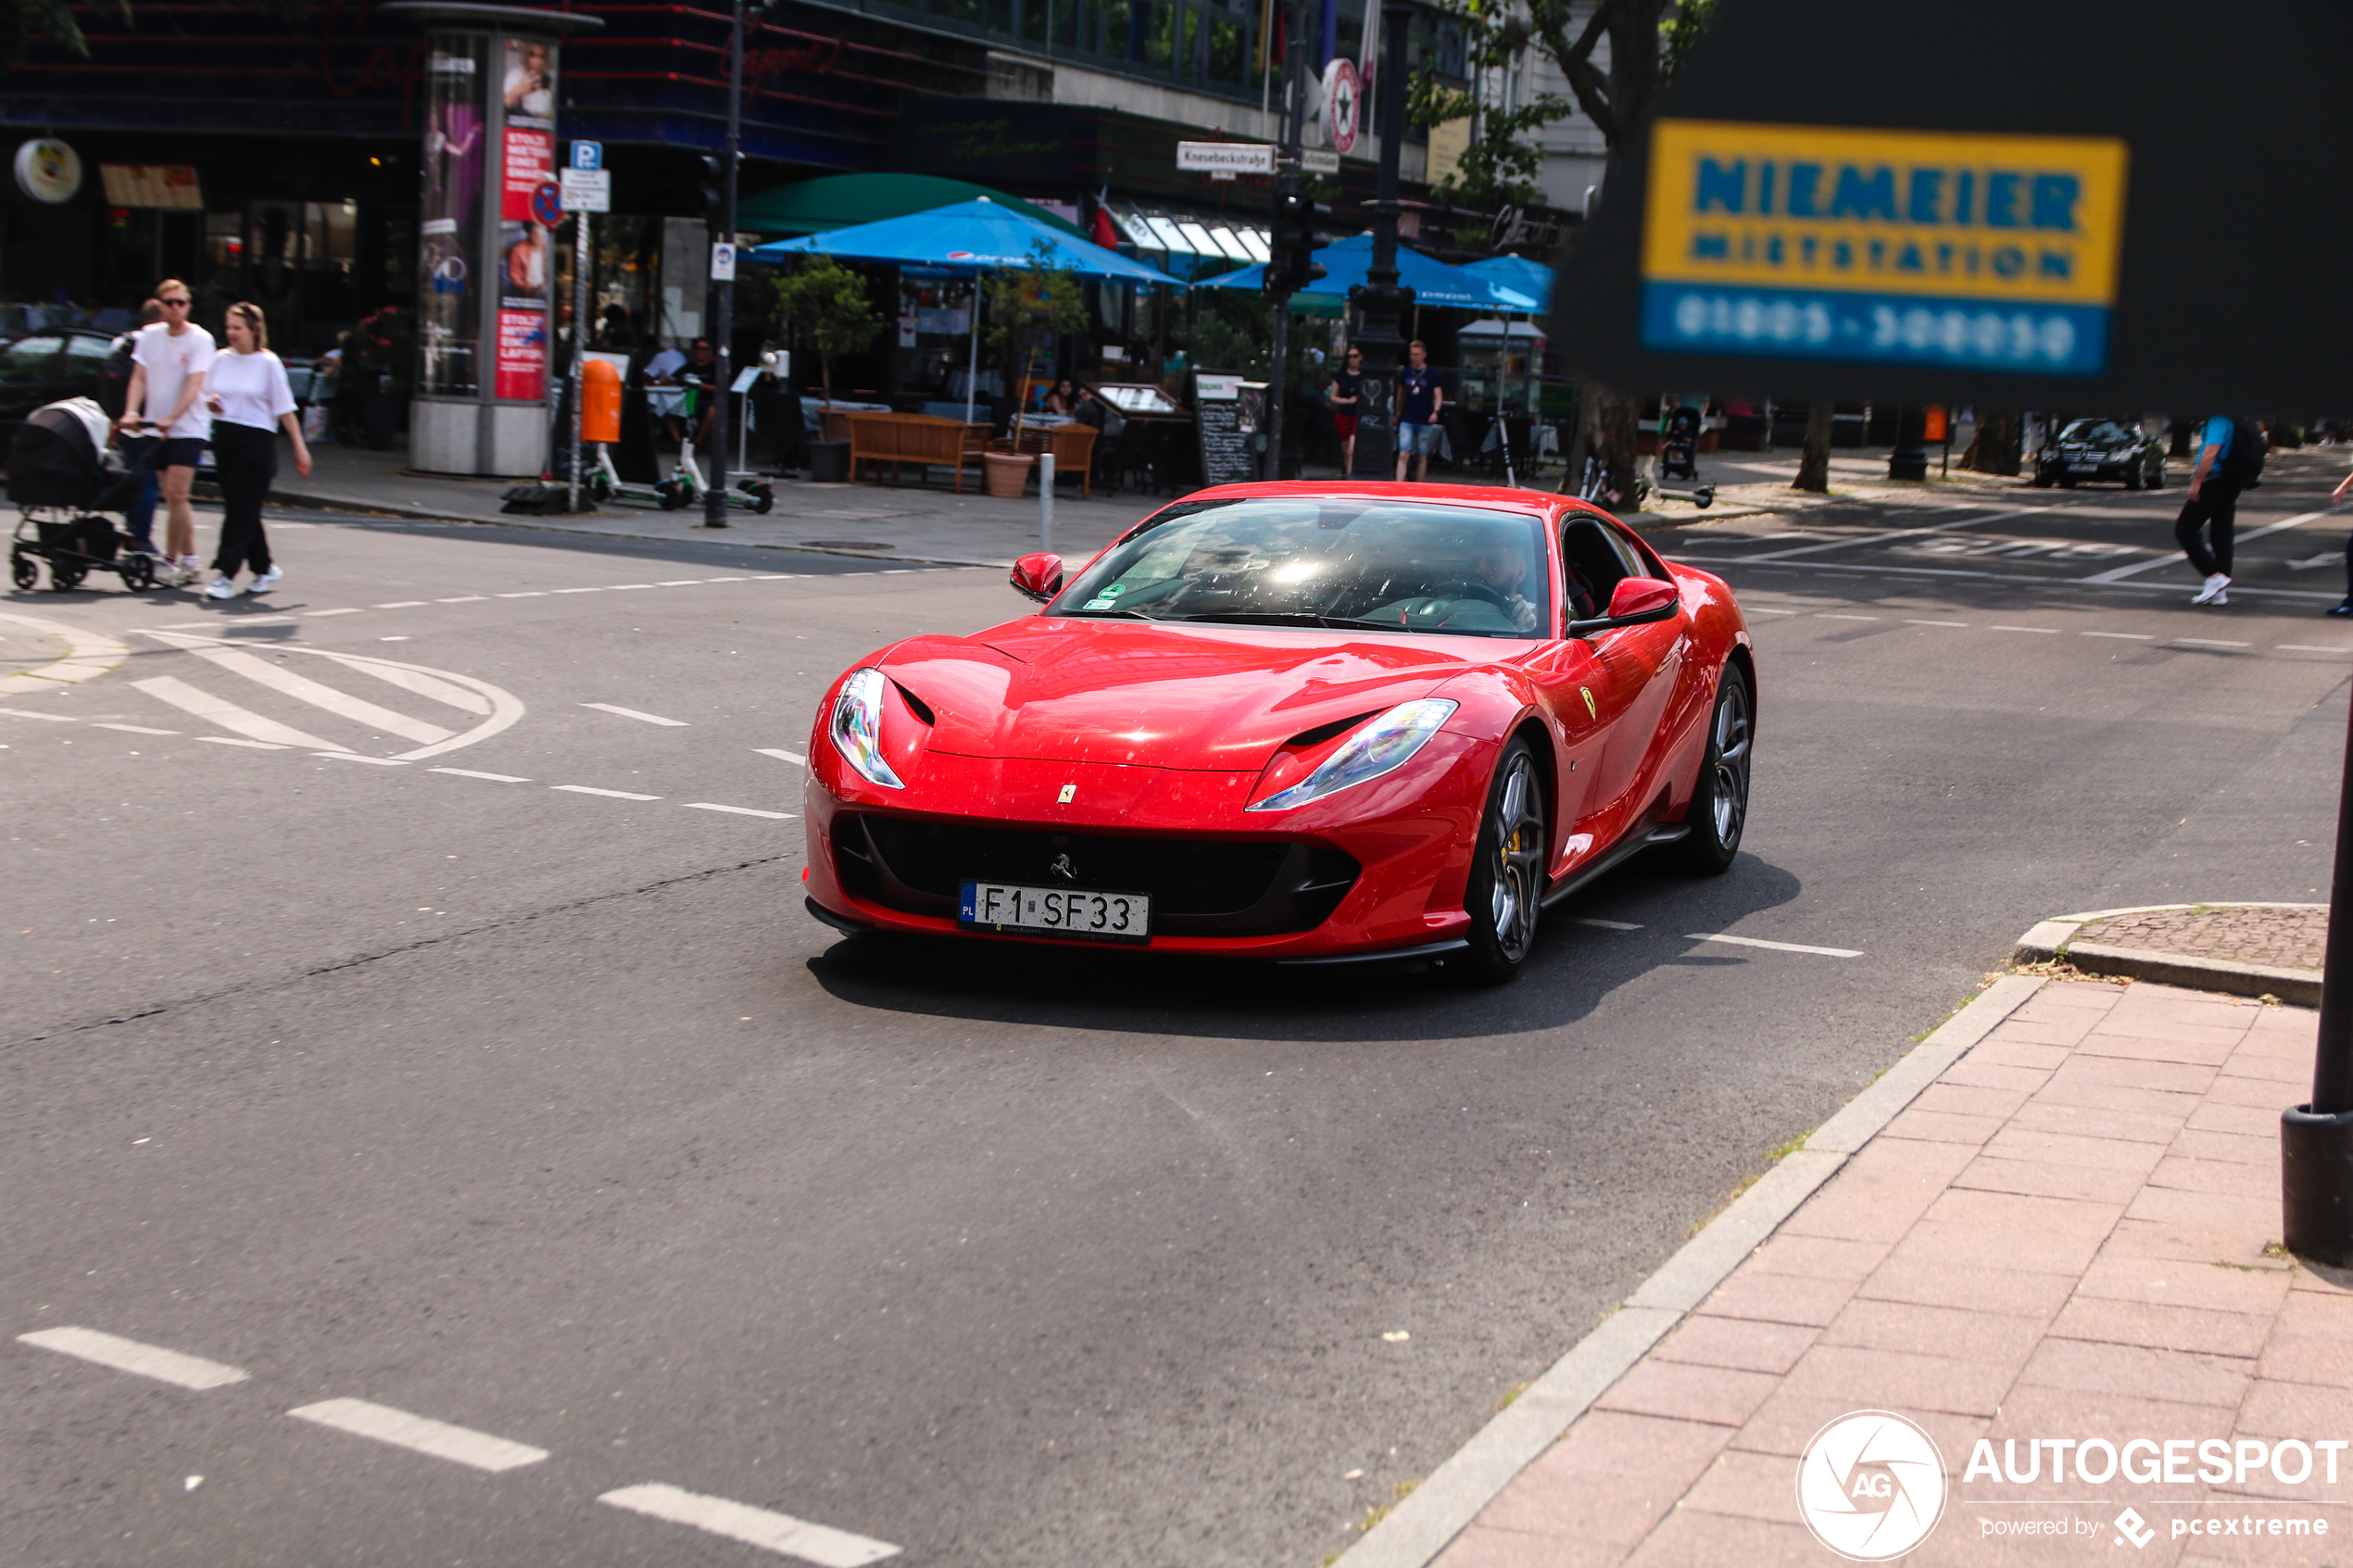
(1382,747)
(856,728)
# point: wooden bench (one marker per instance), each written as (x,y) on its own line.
(914,438)
(1072,447)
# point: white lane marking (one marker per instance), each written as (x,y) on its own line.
(616,793)
(679,582)
(135,729)
(128,1355)
(633,713)
(795,757)
(579,590)
(339,703)
(2053,630)
(256,744)
(2162,558)
(462,599)
(754,1526)
(1767,609)
(52,718)
(470,774)
(2212,643)
(420,1434)
(401,604)
(1605,924)
(423,685)
(2309,648)
(2126,636)
(1776,947)
(625,588)
(355,757)
(533,594)
(1936,624)
(348,609)
(229,716)
(1826,615)
(723,579)
(740,811)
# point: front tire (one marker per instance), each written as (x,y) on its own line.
(1506,890)
(1719,805)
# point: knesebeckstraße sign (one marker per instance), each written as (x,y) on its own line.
(1931,248)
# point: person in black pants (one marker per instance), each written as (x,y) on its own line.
(250,400)
(2212,507)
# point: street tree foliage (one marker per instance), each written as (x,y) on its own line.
(24,23)
(827,306)
(1028,308)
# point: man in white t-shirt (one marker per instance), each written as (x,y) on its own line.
(169,362)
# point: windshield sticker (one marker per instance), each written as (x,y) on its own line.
(1098,604)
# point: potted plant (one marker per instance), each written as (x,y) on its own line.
(1028,309)
(826,305)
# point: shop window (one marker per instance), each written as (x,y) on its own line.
(1158,29)
(1229,57)
(224,245)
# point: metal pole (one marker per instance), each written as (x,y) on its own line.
(1046,500)
(1379,302)
(714,500)
(2316,1140)
(1285,184)
(579,346)
(972,356)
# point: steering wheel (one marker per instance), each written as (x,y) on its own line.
(1472,590)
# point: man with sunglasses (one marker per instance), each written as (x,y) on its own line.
(169,362)
(1347,395)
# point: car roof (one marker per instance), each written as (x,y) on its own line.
(1531,501)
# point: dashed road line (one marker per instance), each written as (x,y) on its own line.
(1827,615)
(1776,947)
(348,609)
(1768,609)
(2212,643)
(2122,636)
(2309,647)
(738,810)
(28,713)
(2047,631)
(462,599)
(128,1355)
(133,729)
(473,774)
(592,789)
(355,757)
(1936,624)
(795,757)
(255,745)
(420,1434)
(633,713)
(400,604)
(529,594)
(819,1544)
(1603,924)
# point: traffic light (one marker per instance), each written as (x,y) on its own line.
(710,186)
(1292,266)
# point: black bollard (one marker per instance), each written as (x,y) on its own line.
(2316,1139)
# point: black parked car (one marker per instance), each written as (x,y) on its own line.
(2102,450)
(44,366)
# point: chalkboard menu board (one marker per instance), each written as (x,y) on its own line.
(1228,412)
(1376,433)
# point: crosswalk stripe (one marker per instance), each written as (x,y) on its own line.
(228,715)
(417,681)
(339,703)
(128,1355)
(460,1445)
(754,1526)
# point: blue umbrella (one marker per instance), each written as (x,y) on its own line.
(967,236)
(1515,272)
(1433,283)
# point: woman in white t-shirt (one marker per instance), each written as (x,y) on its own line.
(250,400)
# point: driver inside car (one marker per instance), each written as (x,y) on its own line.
(1504,568)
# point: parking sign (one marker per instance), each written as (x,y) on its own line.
(588,154)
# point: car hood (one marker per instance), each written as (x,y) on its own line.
(1211,698)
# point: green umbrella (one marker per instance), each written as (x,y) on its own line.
(837,201)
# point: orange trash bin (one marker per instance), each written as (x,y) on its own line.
(599,402)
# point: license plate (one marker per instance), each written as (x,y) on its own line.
(2084,468)
(1059,911)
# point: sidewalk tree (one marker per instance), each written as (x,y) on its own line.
(1813,458)
(1995,446)
(1028,308)
(826,304)
(24,23)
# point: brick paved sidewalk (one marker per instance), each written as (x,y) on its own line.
(2282,935)
(2068,1235)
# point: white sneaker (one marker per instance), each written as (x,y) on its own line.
(221,589)
(264,582)
(186,570)
(2212,593)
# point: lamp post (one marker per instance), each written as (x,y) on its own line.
(1286,182)
(1381,303)
(723,288)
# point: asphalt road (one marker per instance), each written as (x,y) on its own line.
(510,1086)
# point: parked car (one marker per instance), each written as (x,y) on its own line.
(2102,450)
(43,367)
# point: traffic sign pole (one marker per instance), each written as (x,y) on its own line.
(714,502)
(584,197)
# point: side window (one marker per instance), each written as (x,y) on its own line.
(29,359)
(84,355)
(1595,564)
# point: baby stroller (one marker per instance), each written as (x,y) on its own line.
(62,474)
(1679,457)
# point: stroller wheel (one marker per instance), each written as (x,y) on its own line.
(64,578)
(138,572)
(22,570)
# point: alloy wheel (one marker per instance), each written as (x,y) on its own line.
(1732,737)
(1519,886)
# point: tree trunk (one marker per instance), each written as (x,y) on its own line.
(1617,432)
(1995,446)
(1813,458)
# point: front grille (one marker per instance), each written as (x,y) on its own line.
(1199,886)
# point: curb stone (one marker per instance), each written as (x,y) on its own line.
(2053,941)
(87,654)
(1421,1527)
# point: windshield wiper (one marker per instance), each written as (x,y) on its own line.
(1271,618)
(1121,614)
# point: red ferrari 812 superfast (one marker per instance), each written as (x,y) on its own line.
(1303,722)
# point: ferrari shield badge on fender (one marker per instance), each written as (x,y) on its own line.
(1592,709)
(1064,798)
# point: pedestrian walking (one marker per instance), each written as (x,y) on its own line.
(114,393)
(169,365)
(250,401)
(1347,396)
(2338,499)
(1419,397)
(2230,458)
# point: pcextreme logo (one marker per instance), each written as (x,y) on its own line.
(1871,1486)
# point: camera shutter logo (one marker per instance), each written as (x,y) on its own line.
(1871,1486)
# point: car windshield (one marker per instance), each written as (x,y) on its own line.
(1310,560)
(2099,432)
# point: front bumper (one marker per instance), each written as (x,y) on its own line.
(1376,867)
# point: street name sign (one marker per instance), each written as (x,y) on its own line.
(1227,158)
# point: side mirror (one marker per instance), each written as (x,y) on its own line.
(1037,577)
(1641,596)
(1634,602)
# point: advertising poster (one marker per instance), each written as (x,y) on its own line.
(450,230)
(522,355)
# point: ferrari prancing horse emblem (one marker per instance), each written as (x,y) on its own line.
(1068,792)
(1063,868)
(1591,711)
